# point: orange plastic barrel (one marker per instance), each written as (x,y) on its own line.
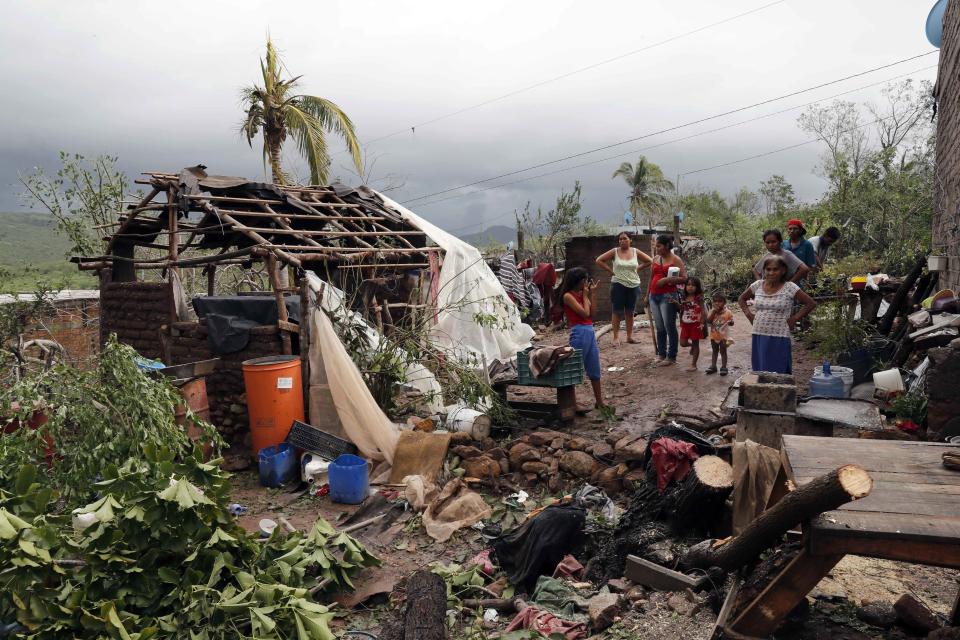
(274,398)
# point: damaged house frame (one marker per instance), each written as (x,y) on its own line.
(351,238)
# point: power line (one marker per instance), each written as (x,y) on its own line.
(575,72)
(669,129)
(781,149)
(675,140)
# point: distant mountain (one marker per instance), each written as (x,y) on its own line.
(499,233)
(31,251)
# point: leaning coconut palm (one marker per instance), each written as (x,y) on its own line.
(278,111)
(648,188)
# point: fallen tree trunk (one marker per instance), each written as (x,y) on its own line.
(900,297)
(825,493)
(423,615)
(701,496)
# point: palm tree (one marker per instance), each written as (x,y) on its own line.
(277,110)
(647,187)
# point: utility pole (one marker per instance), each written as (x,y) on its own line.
(676,214)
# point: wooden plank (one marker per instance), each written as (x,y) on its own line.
(649,574)
(725,609)
(939,554)
(332,234)
(334,205)
(288,326)
(319,217)
(889,477)
(766,613)
(879,524)
(890,485)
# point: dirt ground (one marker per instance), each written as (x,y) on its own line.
(640,393)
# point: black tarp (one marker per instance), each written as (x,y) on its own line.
(230,318)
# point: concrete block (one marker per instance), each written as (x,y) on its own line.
(764,429)
(768,397)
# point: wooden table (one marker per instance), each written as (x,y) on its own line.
(912,515)
(564,410)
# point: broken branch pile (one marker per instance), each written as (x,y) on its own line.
(159,553)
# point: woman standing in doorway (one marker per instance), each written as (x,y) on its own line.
(627,263)
(664,302)
(772,316)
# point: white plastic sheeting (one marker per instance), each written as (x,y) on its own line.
(364,423)
(417,376)
(467,288)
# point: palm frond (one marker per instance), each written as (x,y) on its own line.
(332,118)
(307,130)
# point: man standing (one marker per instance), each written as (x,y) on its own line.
(821,245)
(798,245)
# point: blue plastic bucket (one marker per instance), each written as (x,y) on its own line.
(349,479)
(278,465)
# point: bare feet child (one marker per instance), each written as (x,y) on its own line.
(693,319)
(720,320)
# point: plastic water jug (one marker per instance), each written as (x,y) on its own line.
(826,385)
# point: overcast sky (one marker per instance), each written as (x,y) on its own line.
(157,84)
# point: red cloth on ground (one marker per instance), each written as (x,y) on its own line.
(672,460)
(569,567)
(547,623)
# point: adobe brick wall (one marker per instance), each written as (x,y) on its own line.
(225,388)
(583,251)
(946,212)
(135,311)
(75,324)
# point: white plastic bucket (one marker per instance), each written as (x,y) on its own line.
(471,421)
(889,380)
(844,373)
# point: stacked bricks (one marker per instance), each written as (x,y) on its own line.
(583,251)
(135,311)
(946,207)
(74,323)
(225,388)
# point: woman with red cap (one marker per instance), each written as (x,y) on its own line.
(798,245)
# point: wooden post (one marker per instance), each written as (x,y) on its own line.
(305,299)
(274,272)
(211,270)
(767,612)
(174,272)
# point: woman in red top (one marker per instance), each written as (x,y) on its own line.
(579,294)
(663,298)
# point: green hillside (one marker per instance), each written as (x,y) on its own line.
(31,252)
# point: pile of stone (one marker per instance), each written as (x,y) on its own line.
(552,457)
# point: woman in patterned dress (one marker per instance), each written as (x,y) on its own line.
(772,316)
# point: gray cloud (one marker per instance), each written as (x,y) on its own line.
(158,86)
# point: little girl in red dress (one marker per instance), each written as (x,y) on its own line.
(693,319)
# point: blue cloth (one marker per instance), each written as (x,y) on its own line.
(583,337)
(664,312)
(771,353)
(623,299)
(804,251)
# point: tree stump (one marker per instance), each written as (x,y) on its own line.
(423,617)
(825,493)
(701,496)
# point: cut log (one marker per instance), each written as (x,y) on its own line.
(701,496)
(423,615)
(825,493)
